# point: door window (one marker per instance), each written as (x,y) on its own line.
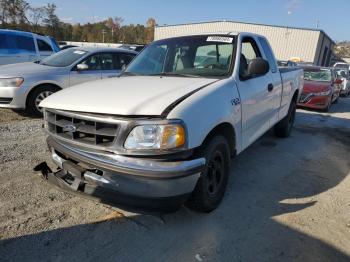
(43,46)
(124,60)
(12,44)
(92,62)
(106,60)
(250,51)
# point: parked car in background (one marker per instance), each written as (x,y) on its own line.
(342,65)
(135,47)
(301,64)
(19,46)
(25,85)
(321,88)
(162,133)
(288,63)
(343,74)
(67,46)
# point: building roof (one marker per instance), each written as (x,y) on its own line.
(259,24)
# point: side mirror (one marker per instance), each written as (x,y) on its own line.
(82,67)
(258,66)
(338,81)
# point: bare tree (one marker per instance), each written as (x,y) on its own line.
(13,11)
(36,15)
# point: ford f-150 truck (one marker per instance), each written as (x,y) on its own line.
(163,133)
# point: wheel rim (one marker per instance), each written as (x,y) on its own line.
(215,173)
(40,98)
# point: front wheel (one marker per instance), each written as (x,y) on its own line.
(36,96)
(284,127)
(211,185)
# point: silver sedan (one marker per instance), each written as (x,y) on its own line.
(25,85)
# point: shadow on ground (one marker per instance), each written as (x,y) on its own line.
(243,228)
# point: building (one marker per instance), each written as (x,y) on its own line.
(310,45)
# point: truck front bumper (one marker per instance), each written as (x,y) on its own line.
(133,183)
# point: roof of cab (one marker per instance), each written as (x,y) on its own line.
(222,33)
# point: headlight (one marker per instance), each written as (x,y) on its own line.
(11,82)
(168,136)
(326,93)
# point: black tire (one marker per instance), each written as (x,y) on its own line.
(328,106)
(211,185)
(284,127)
(38,94)
(336,101)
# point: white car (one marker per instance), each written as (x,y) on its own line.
(25,85)
(343,73)
(162,134)
(19,46)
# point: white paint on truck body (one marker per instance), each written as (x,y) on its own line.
(247,105)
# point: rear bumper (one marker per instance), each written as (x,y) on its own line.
(131,183)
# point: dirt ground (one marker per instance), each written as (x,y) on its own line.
(287,200)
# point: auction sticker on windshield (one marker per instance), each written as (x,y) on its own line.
(222,39)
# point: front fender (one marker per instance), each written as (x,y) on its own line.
(204,110)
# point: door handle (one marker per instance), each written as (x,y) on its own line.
(270,87)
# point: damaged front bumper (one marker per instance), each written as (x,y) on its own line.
(132,183)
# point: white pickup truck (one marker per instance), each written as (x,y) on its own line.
(162,134)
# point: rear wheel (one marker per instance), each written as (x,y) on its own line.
(211,186)
(38,95)
(284,127)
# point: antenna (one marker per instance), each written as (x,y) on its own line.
(318,24)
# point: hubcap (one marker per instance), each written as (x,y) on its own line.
(215,173)
(40,98)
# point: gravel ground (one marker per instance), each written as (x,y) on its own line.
(287,200)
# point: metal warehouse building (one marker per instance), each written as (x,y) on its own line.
(311,45)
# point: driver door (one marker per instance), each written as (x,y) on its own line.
(91,73)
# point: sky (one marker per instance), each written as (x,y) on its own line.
(332,16)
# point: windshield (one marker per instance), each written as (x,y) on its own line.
(196,56)
(63,58)
(320,75)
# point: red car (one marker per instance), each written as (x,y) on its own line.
(321,88)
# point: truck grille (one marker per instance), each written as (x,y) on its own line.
(81,128)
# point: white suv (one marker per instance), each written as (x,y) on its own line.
(18,46)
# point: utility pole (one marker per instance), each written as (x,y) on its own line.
(103,35)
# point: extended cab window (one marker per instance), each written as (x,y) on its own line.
(250,51)
(194,56)
(269,55)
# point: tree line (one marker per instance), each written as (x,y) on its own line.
(19,15)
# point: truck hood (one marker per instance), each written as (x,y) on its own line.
(315,87)
(25,69)
(130,95)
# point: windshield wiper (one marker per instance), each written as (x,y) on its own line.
(174,74)
(129,74)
